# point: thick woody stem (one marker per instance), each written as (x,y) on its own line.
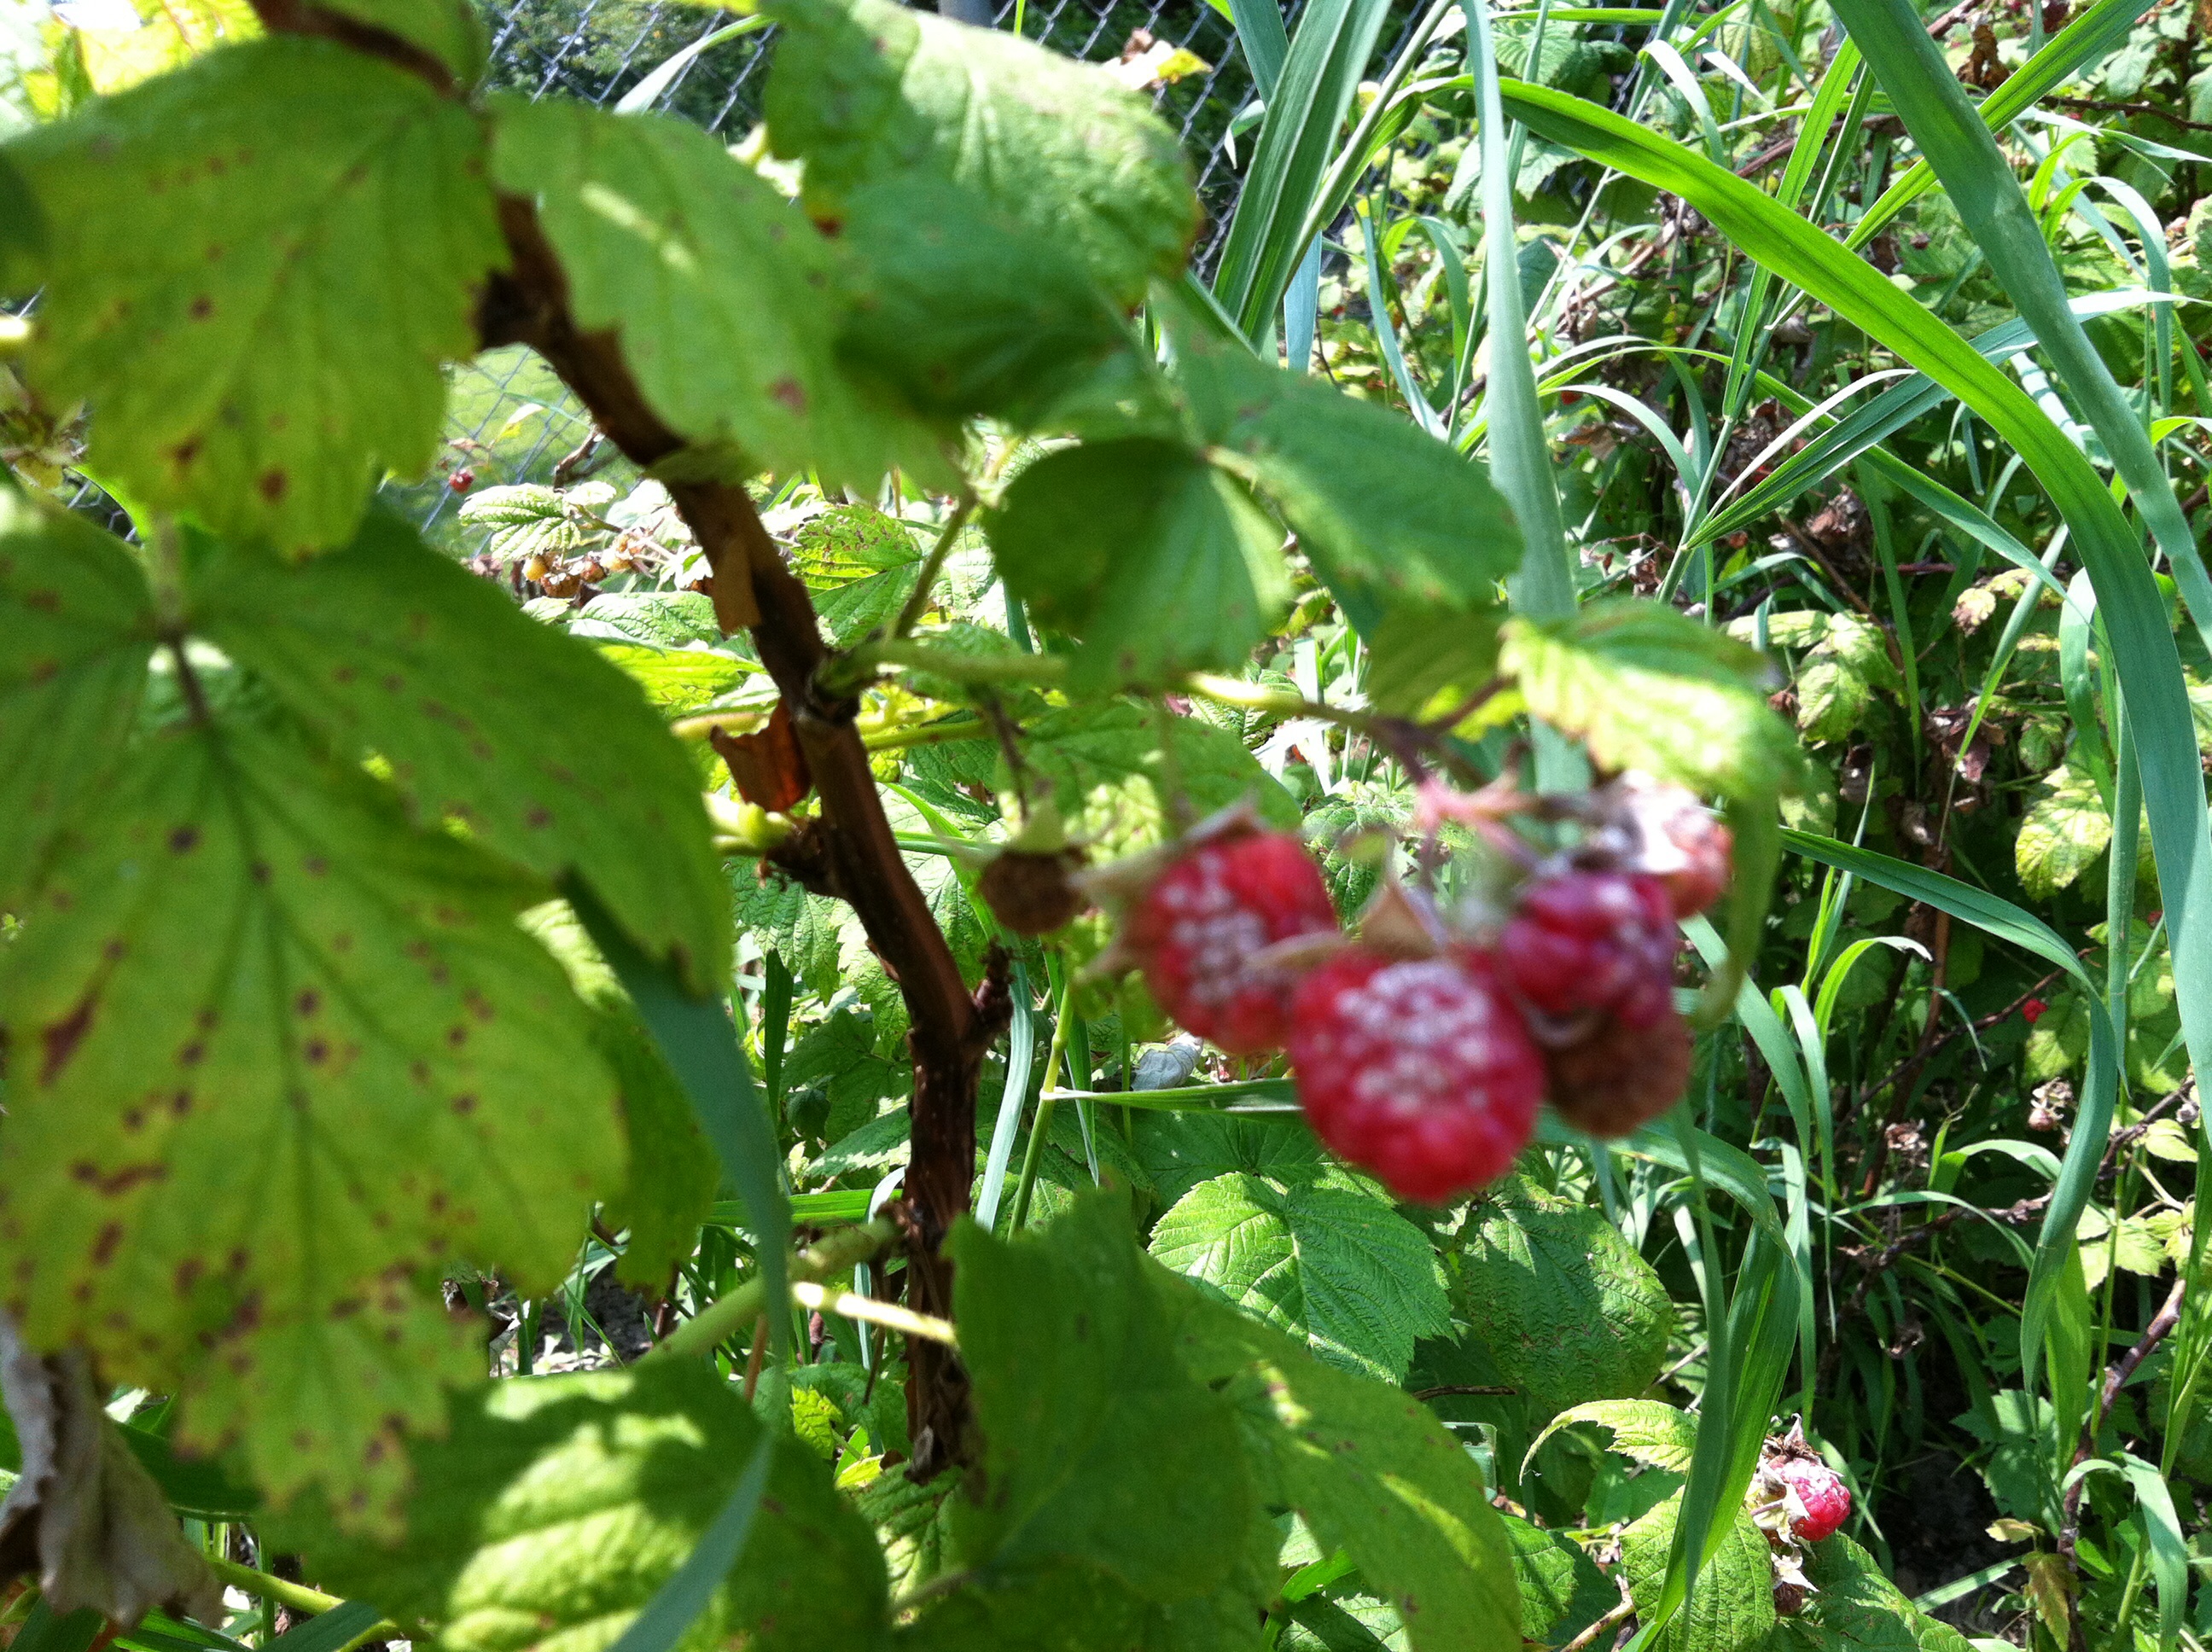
(755,591)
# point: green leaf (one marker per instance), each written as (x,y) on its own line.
(728,302)
(528,519)
(1421,658)
(1650,689)
(253,983)
(1731,1609)
(1645,1430)
(1158,563)
(1116,767)
(77,627)
(1382,508)
(1369,1468)
(965,312)
(1853,1607)
(1179,1150)
(868,91)
(554,1508)
(1324,1260)
(1837,679)
(449,30)
(2065,828)
(1075,1380)
(1562,1591)
(673,1173)
(1567,1308)
(256,268)
(542,750)
(859,564)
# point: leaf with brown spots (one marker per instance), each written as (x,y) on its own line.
(75,631)
(548,754)
(728,299)
(255,269)
(554,1508)
(310,1056)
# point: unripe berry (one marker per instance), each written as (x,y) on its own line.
(1417,1069)
(1617,1077)
(1601,942)
(1196,928)
(1818,1501)
(1031,893)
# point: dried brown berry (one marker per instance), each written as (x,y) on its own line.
(1033,894)
(1617,1077)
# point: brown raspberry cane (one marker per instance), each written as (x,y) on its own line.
(1197,931)
(1417,1069)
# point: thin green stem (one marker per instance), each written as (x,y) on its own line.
(917,603)
(722,1318)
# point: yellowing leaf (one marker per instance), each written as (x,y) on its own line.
(2064,831)
(256,268)
(277,1054)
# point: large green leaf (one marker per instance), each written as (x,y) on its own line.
(2064,829)
(1317,1254)
(1648,688)
(965,312)
(1158,563)
(1075,1381)
(1731,1609)
(279,1052)
(554,1508)
(865,91)
(727,301)
(75,629)
(255,267)
(1380,506)
(542,750)
(1180,1150)
(1562,1591)
(1853,1608)
(1369,1468)
(1569,1309)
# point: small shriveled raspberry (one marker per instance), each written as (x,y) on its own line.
(1032,893)
(1602,941)
(1617,1076)
(1194,931)
(1417,1069)
(1818,1501)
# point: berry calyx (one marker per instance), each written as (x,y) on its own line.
(1818,1501)
(1601,942)
(1417,1069)
(1197,927)
(1617,1077)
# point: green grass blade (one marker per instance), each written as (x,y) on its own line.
(1312,94)
(1521,460)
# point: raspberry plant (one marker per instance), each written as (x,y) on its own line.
(1144,866)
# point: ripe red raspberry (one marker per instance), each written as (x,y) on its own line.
(1705,849)
(1594,941)
(1617,1077)
(1818,1501)
(1417,1069)
(461,480)
(1195,928)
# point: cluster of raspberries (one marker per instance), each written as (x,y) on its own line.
(1425,1063)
